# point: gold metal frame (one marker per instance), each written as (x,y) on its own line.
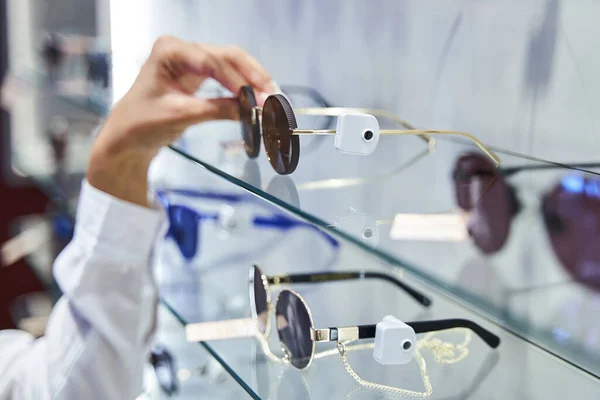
(472,138)
(410,129)
(344,334)
(337,111)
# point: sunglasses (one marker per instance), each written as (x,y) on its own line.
(249,119)
(185,222)
(570,211)
(357,129)
(295,326)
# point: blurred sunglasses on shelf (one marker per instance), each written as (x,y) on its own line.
(295,325)
(185,222)
(67,55)
(357,130)
(570,211)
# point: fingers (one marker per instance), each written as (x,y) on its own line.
(228,76)
(175,58)
(246,65)
(193,110)
(186,65)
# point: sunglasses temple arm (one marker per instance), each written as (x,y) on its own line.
(337,111)
(336,276)
(444,324)
(220,330)
(368,331)
(550,165)
(472,138)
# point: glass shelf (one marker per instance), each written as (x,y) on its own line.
(354,199)
(213,286)
(501,256)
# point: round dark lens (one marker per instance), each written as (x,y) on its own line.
(368,135)
(467,169)
(368,233)
(261,305)
(571,213)
(406,345)
(293,325)
(487,198)
(278,122)
(250,129)
(183,229)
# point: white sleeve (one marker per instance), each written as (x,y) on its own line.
(98,335)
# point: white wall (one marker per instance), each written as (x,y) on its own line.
(516,74)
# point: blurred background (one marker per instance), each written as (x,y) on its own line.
(520,76)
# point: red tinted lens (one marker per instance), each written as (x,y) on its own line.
(571,212)
(487,198)
(250,128)
(278,122)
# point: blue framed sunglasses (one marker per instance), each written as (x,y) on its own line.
(185,222)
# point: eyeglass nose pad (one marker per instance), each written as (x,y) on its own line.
(183,229)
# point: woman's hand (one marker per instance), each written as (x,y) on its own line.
(161,105)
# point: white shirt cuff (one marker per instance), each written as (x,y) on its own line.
(128,228)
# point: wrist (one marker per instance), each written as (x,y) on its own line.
(118,168)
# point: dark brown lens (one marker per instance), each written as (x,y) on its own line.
(487,197)
(259,297)
(466,169)
(250,129)
(294,325)
(278,122)
(571,212)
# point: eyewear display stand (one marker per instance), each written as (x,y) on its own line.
(514,262)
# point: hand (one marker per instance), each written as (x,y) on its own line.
(161,105)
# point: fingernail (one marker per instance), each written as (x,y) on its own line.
(275,87)
(262,97)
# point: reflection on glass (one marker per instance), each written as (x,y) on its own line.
(284,188)
(185,222)
(570,211)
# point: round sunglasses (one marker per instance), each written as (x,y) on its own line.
(570,211)
(249,118)
(259,290)
(295,326)
(280,130)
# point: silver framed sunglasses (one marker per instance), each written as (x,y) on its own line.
(259,286)
(295,325)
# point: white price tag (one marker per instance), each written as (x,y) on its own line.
(429,227)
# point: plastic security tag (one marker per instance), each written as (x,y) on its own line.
(395,342)
(357,134)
